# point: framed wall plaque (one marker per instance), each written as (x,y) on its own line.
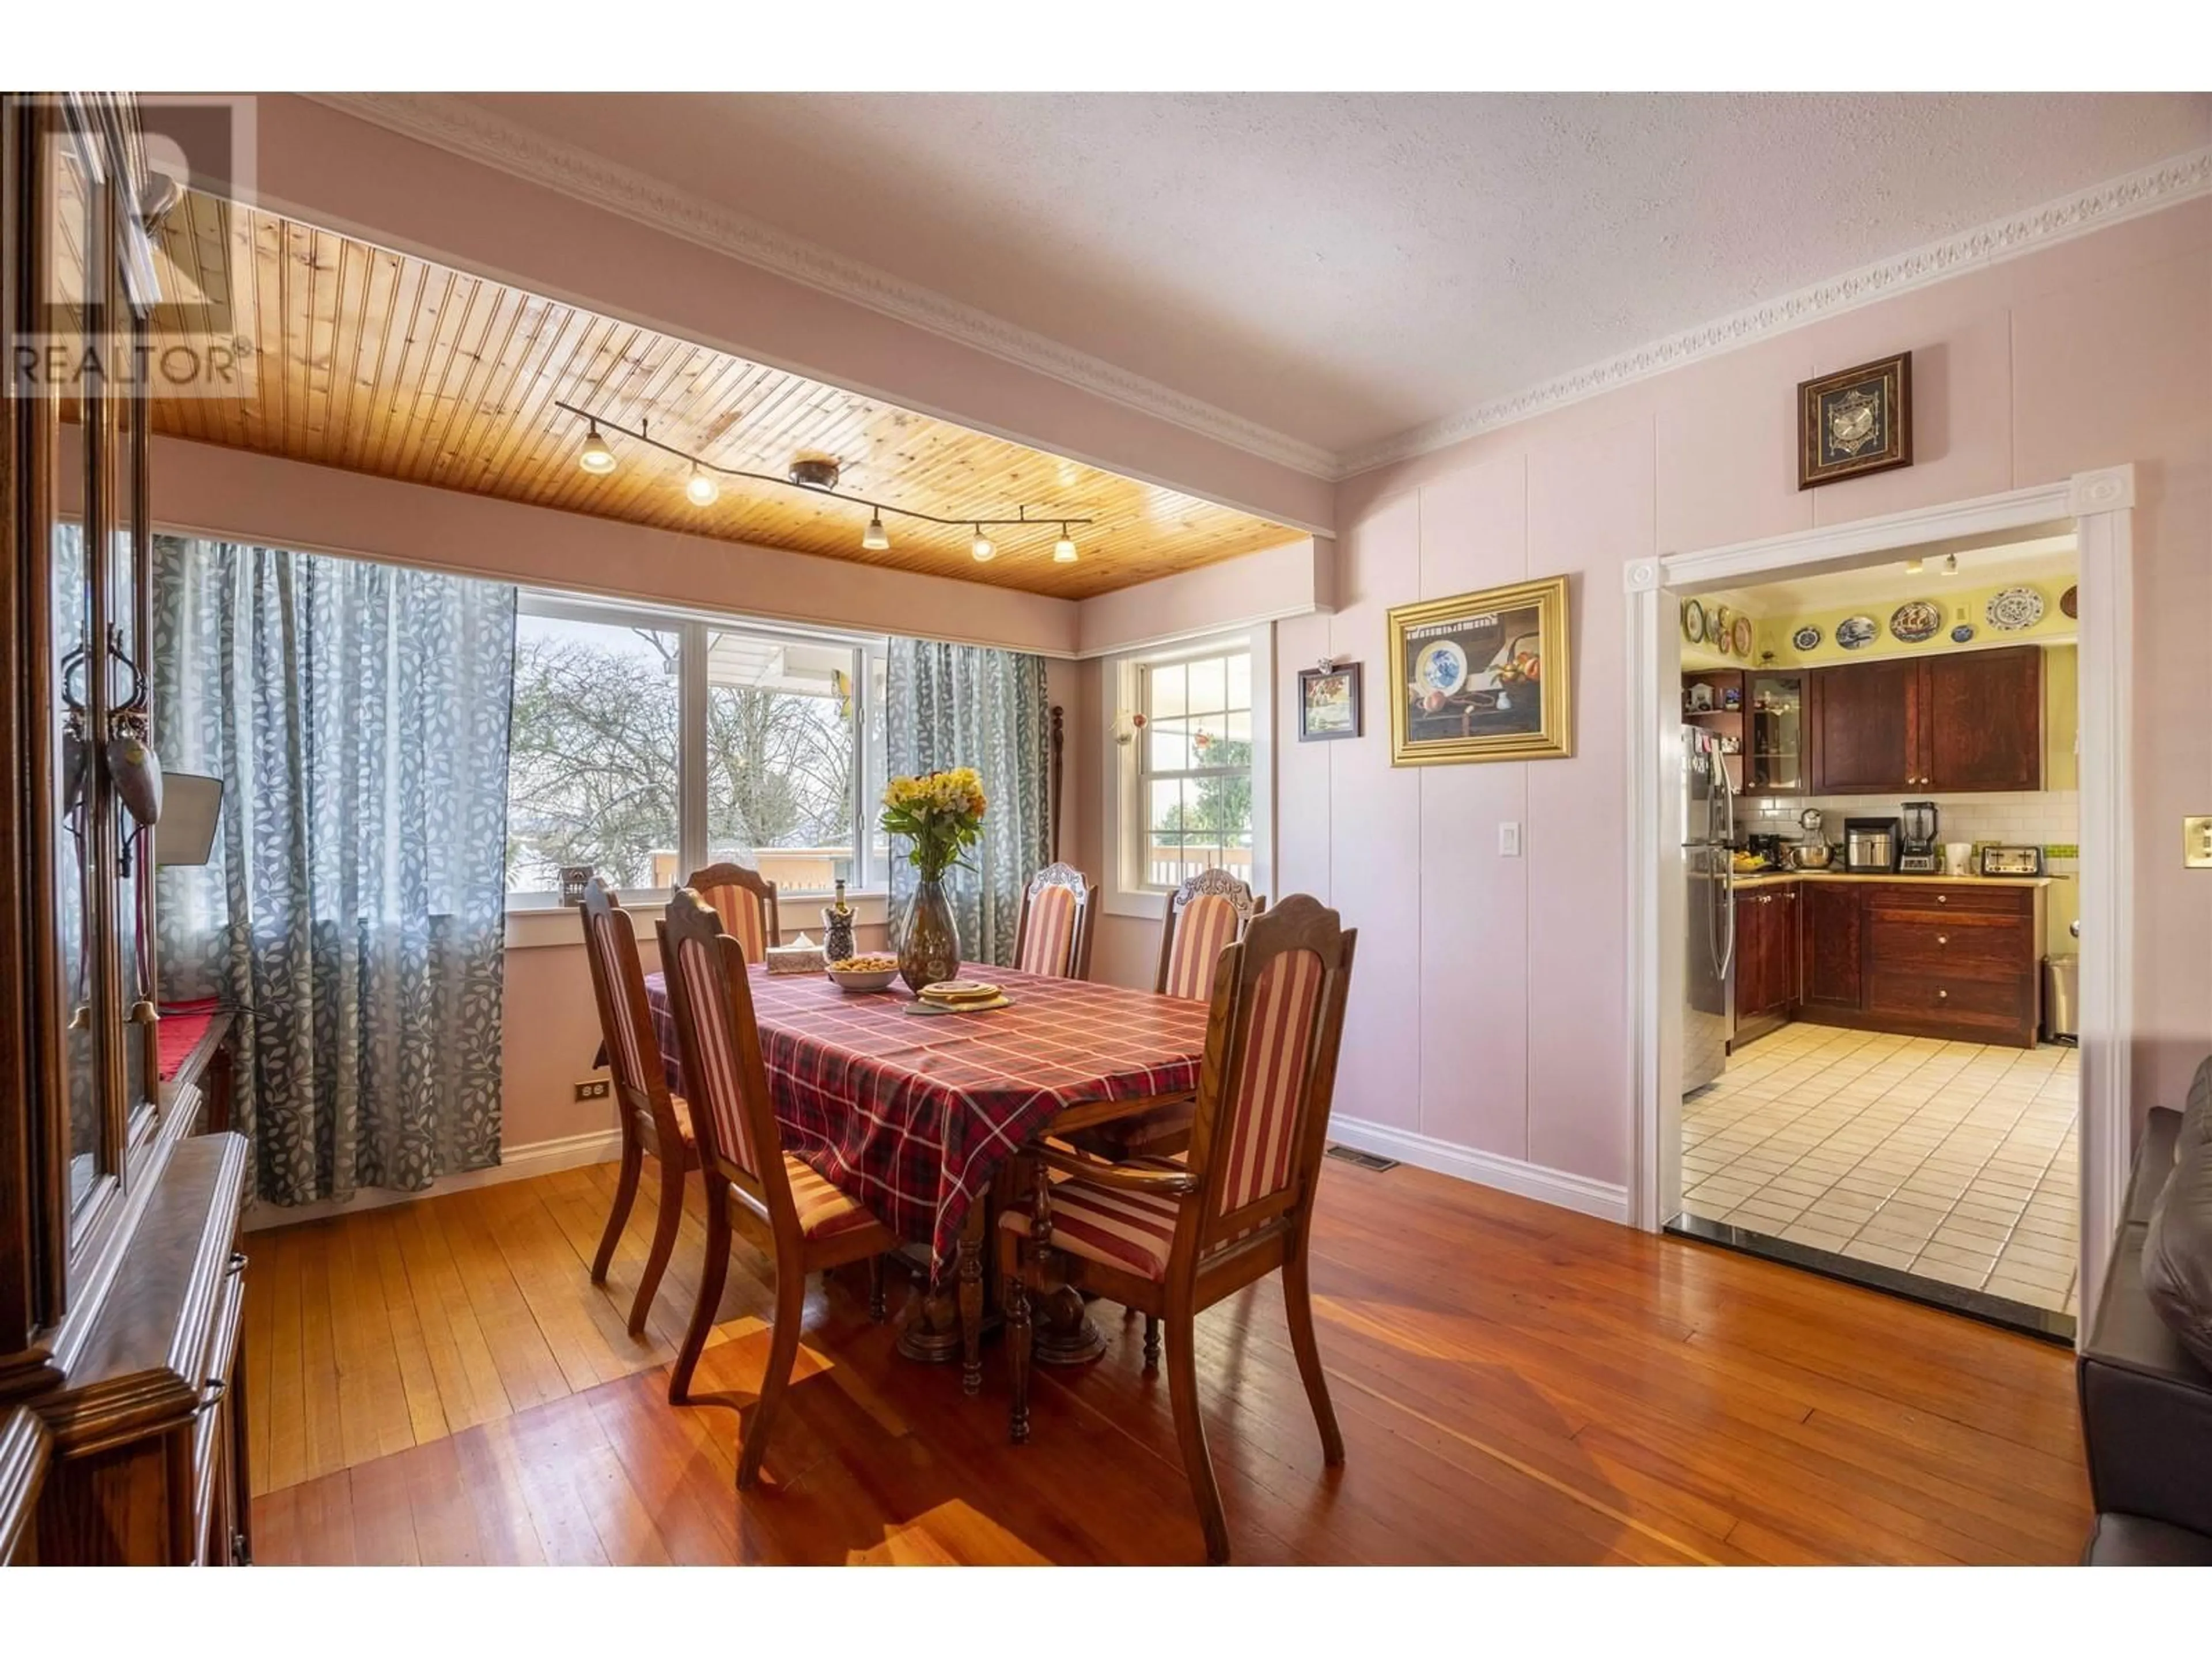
(1329,703)
(1482,677)
(1855,421)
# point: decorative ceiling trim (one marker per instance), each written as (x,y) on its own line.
(453,125)
(2168,182)
(463,128)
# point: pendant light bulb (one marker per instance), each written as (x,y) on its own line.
(1950,564)
(701,489)
(981,549)
(1913,567)
(595,456)
(875,538)
(1063,550)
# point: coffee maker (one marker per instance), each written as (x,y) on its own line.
(1920,852)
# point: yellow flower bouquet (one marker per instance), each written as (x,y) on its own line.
(940,812)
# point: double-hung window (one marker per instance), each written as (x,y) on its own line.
(647,743)
(1193,794)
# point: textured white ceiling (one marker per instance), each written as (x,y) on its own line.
(1344,268)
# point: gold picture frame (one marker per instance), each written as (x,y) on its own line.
(1482,677)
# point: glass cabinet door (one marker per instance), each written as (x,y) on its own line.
(1775,745)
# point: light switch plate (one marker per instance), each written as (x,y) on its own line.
(1508,841)
(2196,843)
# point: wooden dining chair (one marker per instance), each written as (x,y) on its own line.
(746,901)
(1169,1240)
(1053,935)
(798,1220)
(655,1124)
(1209,911)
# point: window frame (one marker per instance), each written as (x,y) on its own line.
(1126,890)
(1140,827)
(692,628)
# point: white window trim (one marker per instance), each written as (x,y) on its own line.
(1120,892)
(693,626)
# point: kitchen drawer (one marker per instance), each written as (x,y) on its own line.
(1978,947)
(1953,999)
(1950,899)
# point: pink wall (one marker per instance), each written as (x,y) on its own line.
(1490,1005)
(332,169)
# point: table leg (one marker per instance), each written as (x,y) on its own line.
(1064,1335)
(946,1321)
(972,1313)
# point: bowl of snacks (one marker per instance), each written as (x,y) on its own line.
(865,973)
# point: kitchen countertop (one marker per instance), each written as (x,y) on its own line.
(1782,877)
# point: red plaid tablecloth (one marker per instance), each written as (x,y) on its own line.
(913,1114)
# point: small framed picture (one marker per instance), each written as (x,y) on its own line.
(1855,421)
(1328,703)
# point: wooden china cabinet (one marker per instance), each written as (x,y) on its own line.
(122,1289)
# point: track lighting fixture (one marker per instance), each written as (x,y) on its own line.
(1950,564)
(595,456)
(817,475)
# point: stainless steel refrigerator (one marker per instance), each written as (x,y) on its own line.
(1709,932)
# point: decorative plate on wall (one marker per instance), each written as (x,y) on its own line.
(1806,638)
(1716,627)
(1856,633)
(1694,622)
(1740,637)
(1962,633)
(2069,600)
(2014,608)
(1914,621)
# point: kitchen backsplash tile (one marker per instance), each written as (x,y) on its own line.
(2040,819)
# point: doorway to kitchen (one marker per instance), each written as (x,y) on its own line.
(1875,801)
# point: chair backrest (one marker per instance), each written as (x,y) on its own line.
(745,901)
(711,999)
(1209,912)
(1054,935)
(1269,1074)
(640,1085)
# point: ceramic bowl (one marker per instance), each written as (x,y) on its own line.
(874,979)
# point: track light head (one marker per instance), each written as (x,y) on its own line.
(700,487)
(1063,550)
(981,550)
(595,457)
(876,539)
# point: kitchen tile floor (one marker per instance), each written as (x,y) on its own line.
(1951,1161)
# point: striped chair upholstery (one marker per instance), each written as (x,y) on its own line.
(746,903)
(1256,1138)
(633,1050)
(1204,927)
(1047,944)
(712,1073)
(825,1211)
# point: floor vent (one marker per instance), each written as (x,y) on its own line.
(1364,1160)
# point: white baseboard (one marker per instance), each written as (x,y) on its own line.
(515,1164)
(1602,1199)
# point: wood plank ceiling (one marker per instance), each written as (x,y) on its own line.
(384,363)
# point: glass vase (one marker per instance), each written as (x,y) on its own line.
(929,938)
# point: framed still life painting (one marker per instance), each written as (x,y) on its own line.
(1328,703)
(1482,677)
(1855,421)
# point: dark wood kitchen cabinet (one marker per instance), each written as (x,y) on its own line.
(1924,958)
(1828,938)
(1766,956)
(1958,723)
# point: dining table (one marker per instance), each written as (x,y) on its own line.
(919,1115)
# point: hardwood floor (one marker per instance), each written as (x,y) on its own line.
(440,1382)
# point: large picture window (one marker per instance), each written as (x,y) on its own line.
(1195,768)
(648,744)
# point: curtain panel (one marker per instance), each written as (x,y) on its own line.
(965,705)
(353,910)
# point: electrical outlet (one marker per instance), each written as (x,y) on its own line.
(594,1088)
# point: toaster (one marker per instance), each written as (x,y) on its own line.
(2012,861)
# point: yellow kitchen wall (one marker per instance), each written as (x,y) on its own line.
(2062,716)
(1968,606)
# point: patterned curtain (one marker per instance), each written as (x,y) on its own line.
(964,705)
(353,909)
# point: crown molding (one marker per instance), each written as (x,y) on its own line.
(2168,182)
(466,129)
(463,129)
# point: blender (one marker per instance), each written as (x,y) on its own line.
(1919,853)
